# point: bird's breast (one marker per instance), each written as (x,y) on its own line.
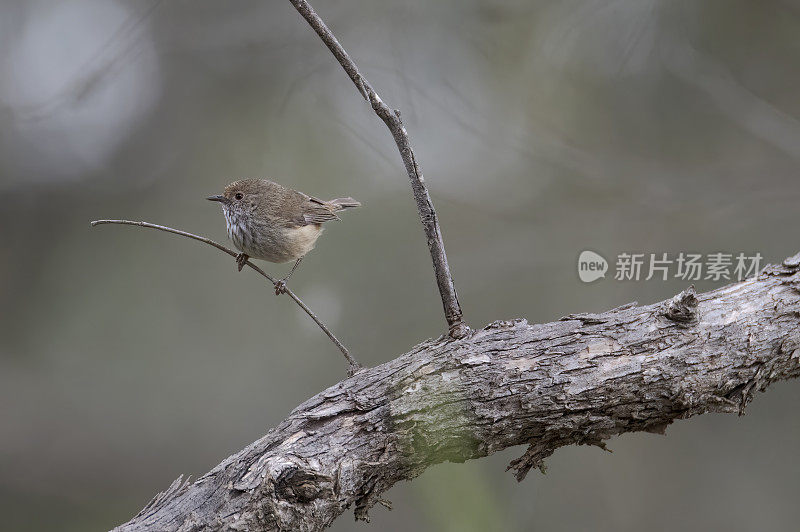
(262,239)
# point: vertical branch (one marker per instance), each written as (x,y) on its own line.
(427,213)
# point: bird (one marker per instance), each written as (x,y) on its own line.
(268,221)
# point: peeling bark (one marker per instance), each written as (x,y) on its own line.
(579,380)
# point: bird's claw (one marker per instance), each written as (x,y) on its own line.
(280,287)
(241,260)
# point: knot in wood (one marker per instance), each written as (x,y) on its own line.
(300,486)
(458,330)
(683,307)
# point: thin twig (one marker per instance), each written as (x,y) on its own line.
(427,213)
(354,365)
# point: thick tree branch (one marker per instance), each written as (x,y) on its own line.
(427,213)
(354,365)
(580,380)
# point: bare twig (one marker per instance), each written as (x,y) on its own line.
(427,213)
(354,365)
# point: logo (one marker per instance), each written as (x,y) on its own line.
(629,266)
(591,266)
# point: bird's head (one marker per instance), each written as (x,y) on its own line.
(239,197)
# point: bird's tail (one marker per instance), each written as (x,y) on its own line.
(344,203)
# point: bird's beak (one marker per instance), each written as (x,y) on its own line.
(218,197)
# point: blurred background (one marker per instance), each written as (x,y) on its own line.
(129,356)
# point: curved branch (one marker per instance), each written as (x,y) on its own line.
(427,213)
(579,380)
(354,365)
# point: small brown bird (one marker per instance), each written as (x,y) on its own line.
(274,223)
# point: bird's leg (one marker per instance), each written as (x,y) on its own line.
(280,286)
(241,259)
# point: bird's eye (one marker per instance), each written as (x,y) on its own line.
(239,195)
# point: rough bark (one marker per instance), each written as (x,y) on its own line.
(580,380)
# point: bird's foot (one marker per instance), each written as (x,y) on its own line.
(280,287)
(241,260)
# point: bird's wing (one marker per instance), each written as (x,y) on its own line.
(317,211)
(309,210)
